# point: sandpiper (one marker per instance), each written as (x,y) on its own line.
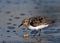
(36,23)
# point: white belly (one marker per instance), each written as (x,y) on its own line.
(38,27)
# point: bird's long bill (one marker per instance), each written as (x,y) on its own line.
(20,25)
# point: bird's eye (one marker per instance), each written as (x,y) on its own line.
(25,21)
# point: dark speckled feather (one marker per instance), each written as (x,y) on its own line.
(35,21)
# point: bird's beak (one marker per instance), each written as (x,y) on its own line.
(20,25)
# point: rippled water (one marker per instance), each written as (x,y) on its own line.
(12,12)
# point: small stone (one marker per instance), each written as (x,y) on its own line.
(8,31)
(8,36)
(26,36)
(8,12)
(22,14)
(14,31)
(14,24)
(11,16)
(23,28)
(3,41)
(17,3)
(8,23)
(8,2)
(36,8)
(10,19)
(38,3)
(25,1)
(17,17)
(11,27)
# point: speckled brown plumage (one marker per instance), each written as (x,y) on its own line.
(35,21)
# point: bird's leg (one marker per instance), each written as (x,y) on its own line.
(39,32)
(39,36)
(28,29)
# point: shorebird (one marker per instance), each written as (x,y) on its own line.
(36,23)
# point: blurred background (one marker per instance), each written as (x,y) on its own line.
(12,12)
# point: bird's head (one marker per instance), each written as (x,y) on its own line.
(25,22)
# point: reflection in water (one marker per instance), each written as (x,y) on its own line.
(34,32)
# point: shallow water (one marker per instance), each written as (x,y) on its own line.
(12,12)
